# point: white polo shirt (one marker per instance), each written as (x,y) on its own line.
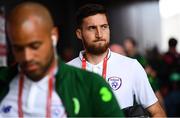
(126,78)
(34,100)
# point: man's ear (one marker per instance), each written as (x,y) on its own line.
(79,33)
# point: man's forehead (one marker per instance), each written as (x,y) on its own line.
(24,43)
(98,19)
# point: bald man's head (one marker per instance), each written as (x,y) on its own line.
(31,32)
(28,10)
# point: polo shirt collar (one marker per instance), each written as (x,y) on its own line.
(81,53)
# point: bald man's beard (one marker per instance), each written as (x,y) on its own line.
(43,69)
(95,49)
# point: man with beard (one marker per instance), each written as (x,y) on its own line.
(41,85)
(125,75)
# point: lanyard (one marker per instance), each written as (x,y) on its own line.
(49,97)
(104,65)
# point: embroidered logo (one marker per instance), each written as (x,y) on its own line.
(6,109)
(115,82)
(58,110)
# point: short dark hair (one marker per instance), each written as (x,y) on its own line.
(172,42)
(89,10)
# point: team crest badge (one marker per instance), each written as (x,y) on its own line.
(115,82)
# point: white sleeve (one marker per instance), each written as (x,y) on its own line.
(142,88)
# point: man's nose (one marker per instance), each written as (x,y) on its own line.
(27,54)
(98,32)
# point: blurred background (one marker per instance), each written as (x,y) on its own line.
(150,23)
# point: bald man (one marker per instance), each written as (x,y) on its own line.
(41,85)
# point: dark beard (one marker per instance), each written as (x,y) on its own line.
(96,49)
(44,69)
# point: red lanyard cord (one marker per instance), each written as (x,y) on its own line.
(20,112)
(83,63)
(104,65)
(48,109)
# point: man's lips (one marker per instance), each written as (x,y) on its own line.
(31,67)
(99,40)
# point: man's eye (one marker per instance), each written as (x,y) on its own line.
(35,46)
(105,26)
(91,27)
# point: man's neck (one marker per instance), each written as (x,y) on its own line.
(95,59)
(53,66)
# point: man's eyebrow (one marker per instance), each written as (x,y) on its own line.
(16,45)
(97,25)
(28,44)
(105,24)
